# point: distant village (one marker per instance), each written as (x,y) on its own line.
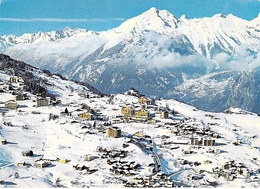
(187,136)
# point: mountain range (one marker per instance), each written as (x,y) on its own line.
(211,63)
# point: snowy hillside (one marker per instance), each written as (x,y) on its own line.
(151,145)
(153,52)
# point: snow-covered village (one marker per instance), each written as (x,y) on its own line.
(74,137)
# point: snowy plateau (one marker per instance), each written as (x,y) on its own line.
(158,54)
(69,136)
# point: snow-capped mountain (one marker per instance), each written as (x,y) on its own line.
(9,40)
(153,52)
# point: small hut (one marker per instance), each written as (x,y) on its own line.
(11,104)
(63,160)
(88,157)
(113,132)
(27,153)
(21,164)
(3,141)
(41,164)
(164,115)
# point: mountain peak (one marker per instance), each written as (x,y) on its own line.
(162,14)
(256,21)
(219,15)
(184,17)
(152,19)
(153,9)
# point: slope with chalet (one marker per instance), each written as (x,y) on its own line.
(70,136)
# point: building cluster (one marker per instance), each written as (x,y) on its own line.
(114,158)
(188,132)
(203,141)
(124,168)
(85,113)
(15,86)
(188,126)
(231,170)
(142,112)
(154,181)
(83,167)
(112,153)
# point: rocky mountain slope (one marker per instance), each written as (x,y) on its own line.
(156,53)
(32,77)
(220,90)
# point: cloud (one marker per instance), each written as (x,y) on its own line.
(157,51)
(2,1)
(242,60)
(59,20)
(151,57)
(247,1)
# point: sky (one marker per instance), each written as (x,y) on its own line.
(30,16)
